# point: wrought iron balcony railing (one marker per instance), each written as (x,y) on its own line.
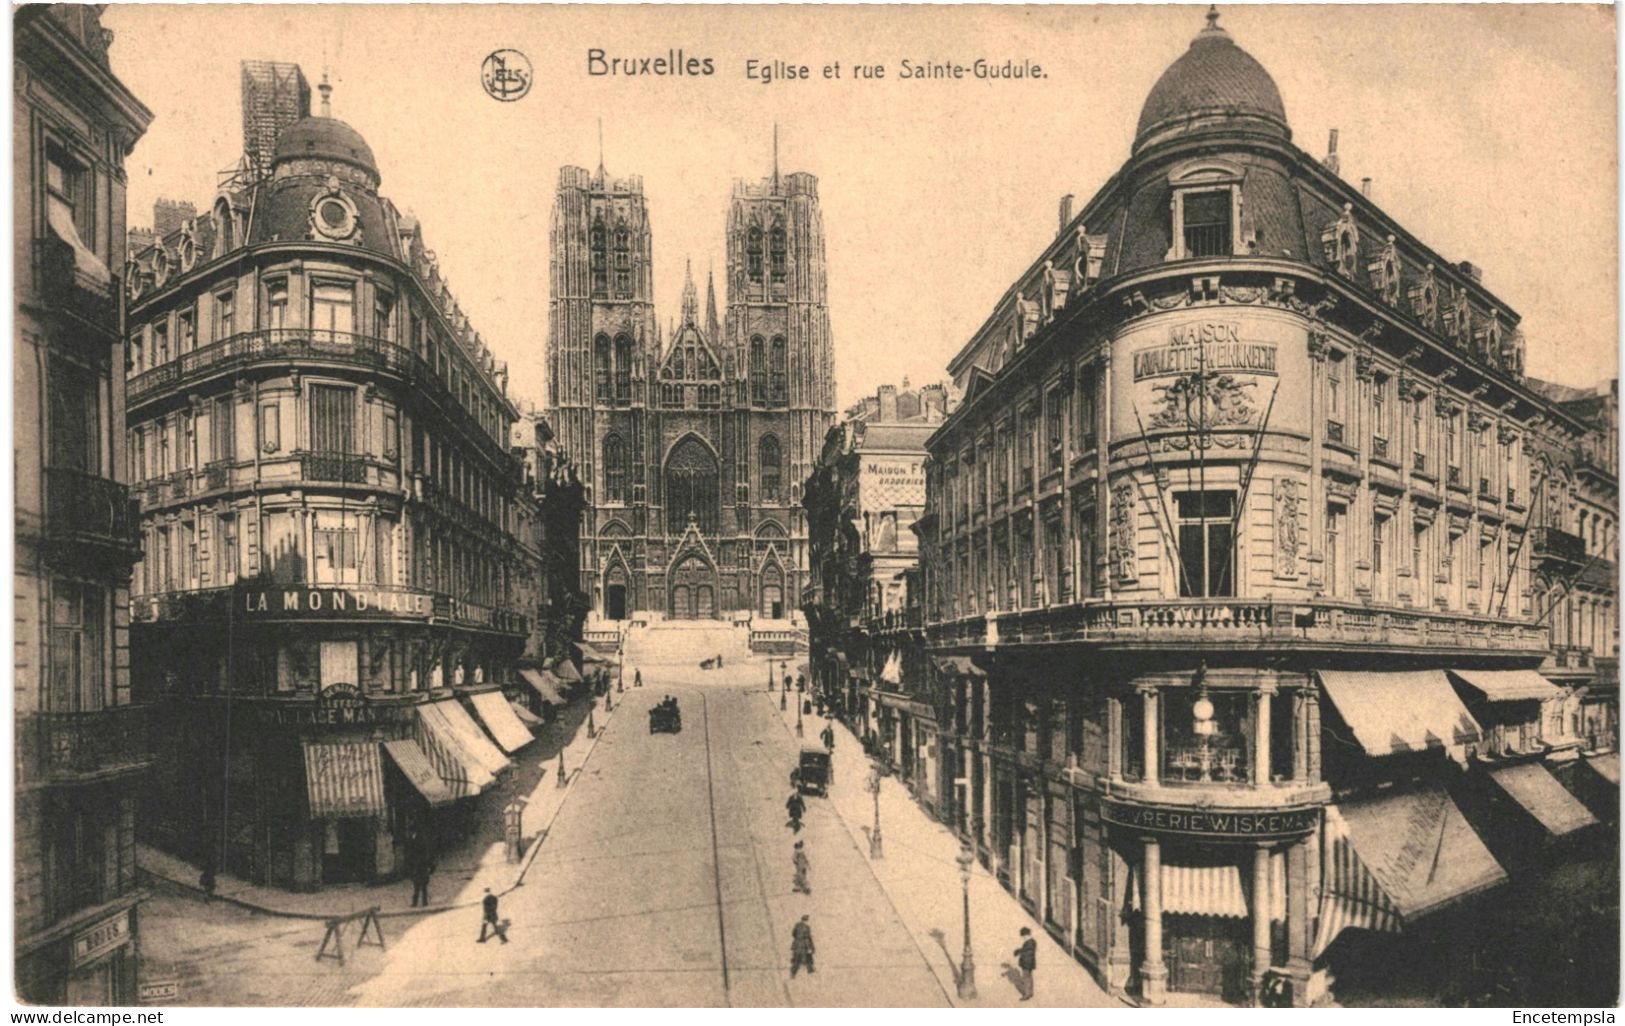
(62,748)
(1559,546)
(63,286)
(81,507)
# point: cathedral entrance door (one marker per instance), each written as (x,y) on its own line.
(615,602)
(693,589)
(705,606)
(680,609)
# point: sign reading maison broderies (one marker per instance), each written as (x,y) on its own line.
(1236,825)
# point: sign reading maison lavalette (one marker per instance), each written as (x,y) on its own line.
(1209,823)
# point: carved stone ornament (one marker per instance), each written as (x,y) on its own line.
(1341,240)
(1287,541)
(333,215)
(1425,299)
(1505,435)
(1385,273)
(1319,345)
(1122,543)
(1363,364)
(1460,326)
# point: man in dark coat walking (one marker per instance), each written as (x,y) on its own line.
(490,921)
(795,807)
(828,737)
(801,947)
(420,866)
(1027,961)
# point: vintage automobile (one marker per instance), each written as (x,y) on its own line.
(665,718)
(815,772)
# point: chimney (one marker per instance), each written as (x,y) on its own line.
(1471,270)
(888,403)
(1365,187)
(168,215)
(1066,211)
(1331,162)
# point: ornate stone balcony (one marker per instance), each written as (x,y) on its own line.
(1243,625)
(89,515)
(1555,545)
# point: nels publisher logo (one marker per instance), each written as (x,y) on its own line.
(506,75)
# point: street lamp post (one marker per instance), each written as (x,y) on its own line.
(798,717)
(876,851)
(967,963)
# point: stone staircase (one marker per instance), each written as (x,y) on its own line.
(686,643)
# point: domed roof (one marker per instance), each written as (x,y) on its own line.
(327,139)
(1214,78)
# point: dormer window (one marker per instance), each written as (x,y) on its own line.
(1206,223)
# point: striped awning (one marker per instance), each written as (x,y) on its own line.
(1217,889)
(1532,786)
(1509,685)
(414,764)
(1400,711)
(499,719)
(344,780)
(526,717)
(1393,859)
(544,684)
(473,738)
(459,770)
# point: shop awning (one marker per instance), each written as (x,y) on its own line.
(526,717)
(545,684)
(344,780)
(461,772)
(958,666)
(493,710)
(1400,711)
(414,764)
(1393,859)
(473,738)
(1533,786)
(1605,766)
(1222,889)
(565,670)
(1509,685)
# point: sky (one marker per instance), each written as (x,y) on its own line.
(1489,132)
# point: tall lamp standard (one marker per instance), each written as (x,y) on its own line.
(967,963)
(799,705)
(873,786)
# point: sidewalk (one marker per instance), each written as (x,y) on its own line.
(463,872)
(920,874)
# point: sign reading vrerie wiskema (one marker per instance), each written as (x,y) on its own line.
(1227,824)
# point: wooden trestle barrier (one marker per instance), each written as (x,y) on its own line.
(335,934)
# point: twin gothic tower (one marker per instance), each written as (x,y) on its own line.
(695,446)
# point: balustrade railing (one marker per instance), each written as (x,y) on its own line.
(82,506)
(72,747)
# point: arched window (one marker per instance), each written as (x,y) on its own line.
(225,240)
(623,367)
(768,456)
(692,487)
(623,262)
(614,469)
(600,258)
(601,365)
(758,369)
(776,252)
(753,253)
(780,370)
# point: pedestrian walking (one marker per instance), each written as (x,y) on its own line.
(801,684)
(787,683)
(828,737)
(803,867)
(795,806)
(419,866)
(801,947)
(490,922)
(637,678)
(719,660)
(1027,961)
(206,878)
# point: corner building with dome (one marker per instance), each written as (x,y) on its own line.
(693,442)
(335,532)
(1237,557)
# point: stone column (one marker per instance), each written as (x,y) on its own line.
(1148,734)
(1261,743)
(1153,974)
(1298,937)
(1300,745)
(1114,739)
(1261,920)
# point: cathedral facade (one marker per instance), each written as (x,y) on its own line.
(695,441)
